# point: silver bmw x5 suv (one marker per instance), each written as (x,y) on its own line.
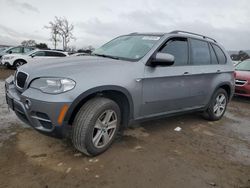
(132,78)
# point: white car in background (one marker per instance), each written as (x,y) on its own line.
(16,60)
(79,54)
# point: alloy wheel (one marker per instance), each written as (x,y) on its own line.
(220,105)
(104,128)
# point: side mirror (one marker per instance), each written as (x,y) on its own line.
(32,55)
(10,52)
(162,59)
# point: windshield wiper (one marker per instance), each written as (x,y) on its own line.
(108,56)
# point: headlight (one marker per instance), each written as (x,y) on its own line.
(53,85)
(9,57)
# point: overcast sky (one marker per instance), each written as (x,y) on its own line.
(98,21)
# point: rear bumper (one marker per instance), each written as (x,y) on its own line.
(243,90)
(41,115)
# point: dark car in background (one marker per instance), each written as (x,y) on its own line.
(242,82)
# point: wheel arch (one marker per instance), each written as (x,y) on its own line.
(227,87)
(19,59)
(119,94)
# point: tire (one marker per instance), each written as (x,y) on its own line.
(7,65)
(92,124)
(219,98)
(19,63)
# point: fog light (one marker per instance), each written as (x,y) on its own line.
(27,104)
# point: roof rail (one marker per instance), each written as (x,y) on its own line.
(190,33)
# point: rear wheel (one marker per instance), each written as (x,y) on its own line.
(95,126)
(217,105)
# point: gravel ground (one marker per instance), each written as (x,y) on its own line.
(152,154)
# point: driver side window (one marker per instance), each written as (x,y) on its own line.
(178,47)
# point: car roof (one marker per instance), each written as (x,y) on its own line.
(178,33)
(49,51)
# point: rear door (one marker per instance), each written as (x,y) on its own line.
(204,70)
(165,88)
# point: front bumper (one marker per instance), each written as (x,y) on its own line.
(5,63)
(40,114)
(243,90)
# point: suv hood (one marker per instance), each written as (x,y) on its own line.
(71,66)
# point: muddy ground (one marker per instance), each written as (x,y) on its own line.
(152,154)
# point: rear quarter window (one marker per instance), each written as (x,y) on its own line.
(220,54)
(214,59)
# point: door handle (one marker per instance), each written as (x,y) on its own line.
(186,73)
(218,71)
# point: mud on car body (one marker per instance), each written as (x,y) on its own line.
(132,78)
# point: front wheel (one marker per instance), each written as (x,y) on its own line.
(217,105)
(19,63)
(96,125)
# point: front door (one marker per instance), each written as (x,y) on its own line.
(166,88)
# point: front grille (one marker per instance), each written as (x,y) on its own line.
(240,82)
(21,78)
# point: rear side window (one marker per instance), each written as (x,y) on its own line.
(179,49)
(55,54)
(200,54)
(220,54)
(39,53)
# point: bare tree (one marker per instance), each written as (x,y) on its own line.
(55,35)
(65,30)
(71,49)
(28,43)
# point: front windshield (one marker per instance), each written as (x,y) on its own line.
(5,50)
(129,47)
(2,49)
(243,66)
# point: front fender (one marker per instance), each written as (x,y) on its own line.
(98,89)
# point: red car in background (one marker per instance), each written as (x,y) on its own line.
(242,80)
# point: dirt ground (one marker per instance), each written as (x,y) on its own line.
(203,154)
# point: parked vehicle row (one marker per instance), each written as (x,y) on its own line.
(132,78)
(14,57)
(16,60)
(16,50)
